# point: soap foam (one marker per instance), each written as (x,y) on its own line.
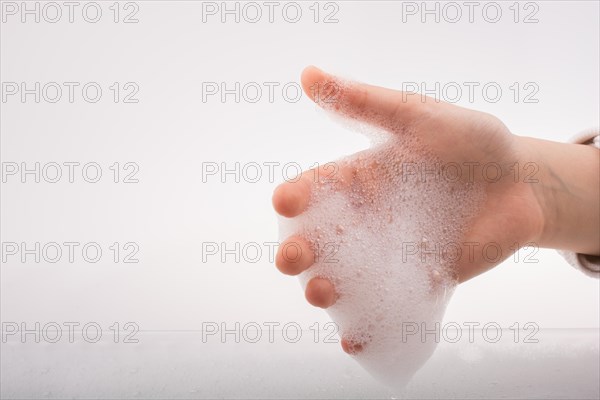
(361,226)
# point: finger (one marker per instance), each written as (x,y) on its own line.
(291,198)
(376,105)
(294,256)
(320,292)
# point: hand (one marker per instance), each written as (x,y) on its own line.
(525,193)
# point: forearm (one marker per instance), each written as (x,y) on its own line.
(568,191)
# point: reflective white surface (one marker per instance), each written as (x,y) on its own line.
(563,364)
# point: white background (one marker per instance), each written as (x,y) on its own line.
(171,132)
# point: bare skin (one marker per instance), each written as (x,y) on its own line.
(547,195)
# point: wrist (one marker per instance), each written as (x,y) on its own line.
(566,190)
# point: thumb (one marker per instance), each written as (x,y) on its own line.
(372,104)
